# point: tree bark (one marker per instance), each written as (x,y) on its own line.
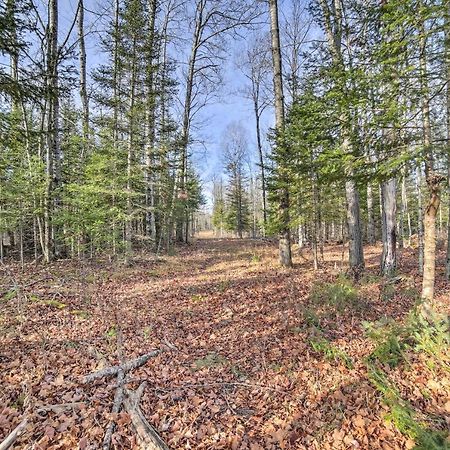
(433,181)
(284,244)
(150,221)
(389,207)
(356,256)
(447,69)
(53,150)
(370,216)
(333,18)
(83,80)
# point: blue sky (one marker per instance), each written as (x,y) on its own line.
(230,105)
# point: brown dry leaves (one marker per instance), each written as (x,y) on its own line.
(238,371)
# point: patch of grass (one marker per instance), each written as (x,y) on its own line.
(341,295)
(330,351)
(53,303)
(197,298)
(71,344)
(387,292)
(370,278)
(255,258)
(394,339)
(311,318)
(223,285)
(210,360)
(411,292)
(237,372)
(112,332)
(390,340)
(80,313)
(9,295)
(147,331)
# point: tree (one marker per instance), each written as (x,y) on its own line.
(284,242)
(235,152)
(255,69)
(333,24)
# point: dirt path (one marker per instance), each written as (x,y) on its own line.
(239,369)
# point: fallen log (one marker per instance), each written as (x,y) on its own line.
(117,404)
(148,437)
(12,437)
(125,367)
(59,408)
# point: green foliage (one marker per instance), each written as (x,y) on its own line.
(393,341)
(330,351)
(390,339)
(9,295)
(341,294)
(210,360)
(403,416)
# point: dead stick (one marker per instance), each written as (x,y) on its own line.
(126,367)
(147,435)
(12,437)
(118,400)
(59,407)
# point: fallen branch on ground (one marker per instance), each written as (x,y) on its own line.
(148,437)
(12,437)
(125,367)
(118,400)
(59,407)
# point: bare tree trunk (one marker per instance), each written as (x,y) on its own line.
(333,19)
(370,216)
(284,203)
(261,163)
(150,222)
(447,68)
(83,80)
(53,151)
(406,216)
(433,181)
(130,156)
(316,220)
(419,216)
(356,256)
(389,208)
(116,107)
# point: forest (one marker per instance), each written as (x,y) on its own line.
(224,224)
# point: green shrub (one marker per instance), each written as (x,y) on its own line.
(330,352)
(341,294)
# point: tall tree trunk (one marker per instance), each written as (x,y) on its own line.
(333,19)
(53,150)
(181,177)
(389,208)
(406,216)
(150,222)
(284,203)
(356,256)
(83,80)
(261,161)
(447,68)
(370,216)
(130,156)
(418,182)
(433,181)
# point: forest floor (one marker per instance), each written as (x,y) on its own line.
(254,356)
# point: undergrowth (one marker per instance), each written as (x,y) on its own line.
(341,294)
(394,343)
(330,351)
